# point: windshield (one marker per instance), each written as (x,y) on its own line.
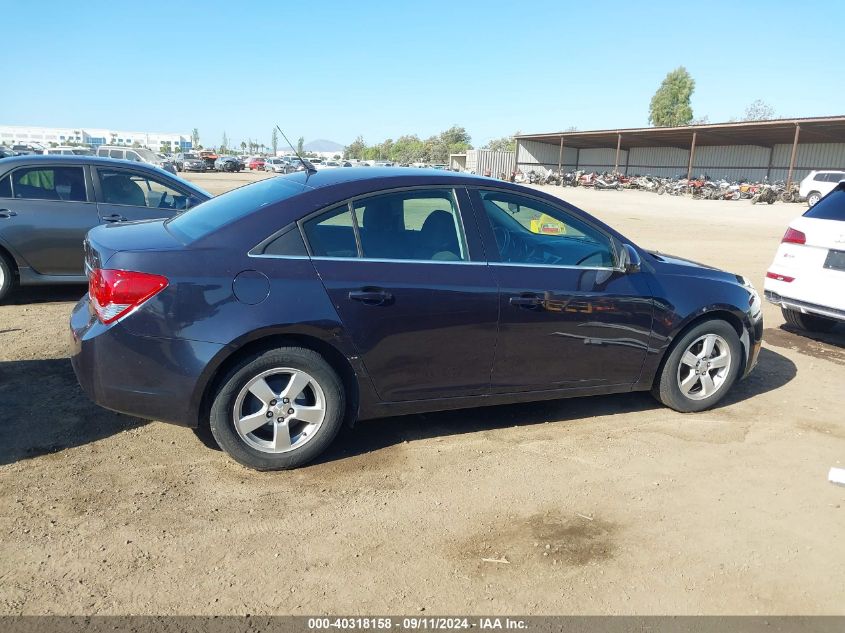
(189,156)
(147,155)
(216,213)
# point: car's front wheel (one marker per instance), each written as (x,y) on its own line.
(813,198)
(808,322)
(279,409)
(701,367)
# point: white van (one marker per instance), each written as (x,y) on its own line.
(818,184)
(138,154)
(69,151)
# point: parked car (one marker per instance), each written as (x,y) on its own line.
(137,154)
(256,163)
(180,158)
(7,152)
(69,151)
(818,184)
(228,163)
(279,310)
(48,204)
(190,162)
(27,149)
(278,166)
(807,277)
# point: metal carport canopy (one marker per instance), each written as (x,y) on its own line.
(760,133)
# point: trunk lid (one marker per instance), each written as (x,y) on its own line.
(104,241)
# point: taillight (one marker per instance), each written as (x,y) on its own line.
(778,277)
(794,237)
(114,293)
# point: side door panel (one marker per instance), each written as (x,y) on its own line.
(48,233)
(424,329)
(565,326)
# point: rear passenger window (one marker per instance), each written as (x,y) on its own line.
(49,183)
(332,234)
(288,244)
(6,187)
(820,177)
(115,153)
(418,225)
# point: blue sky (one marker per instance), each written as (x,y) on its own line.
(333,70)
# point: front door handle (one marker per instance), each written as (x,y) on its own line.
(371,296)
(114,217)
(527,301)
(6,214)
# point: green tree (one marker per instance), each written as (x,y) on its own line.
(274,141)
(670,105)
(224,146)
(355,149)
(456,135)
(243,147)
(195,138)
(759,110)
(300,145)
(504,144)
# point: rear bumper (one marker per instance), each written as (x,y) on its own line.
(147,377)
(804,307)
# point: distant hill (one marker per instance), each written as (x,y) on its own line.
(322,145)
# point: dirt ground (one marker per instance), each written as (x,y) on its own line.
(602,505)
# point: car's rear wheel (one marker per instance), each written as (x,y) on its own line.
(701,367)
(813,198)
(7,276)
(279,409)
(809,322)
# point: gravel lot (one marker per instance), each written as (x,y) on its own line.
(600,506)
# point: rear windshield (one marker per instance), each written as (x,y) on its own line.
(831,207)
(216,213)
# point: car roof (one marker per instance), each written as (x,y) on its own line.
(331,177)
(63,159)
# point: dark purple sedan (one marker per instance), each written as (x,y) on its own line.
(280,311)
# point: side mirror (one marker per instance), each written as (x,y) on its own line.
(513,207)
(629,260)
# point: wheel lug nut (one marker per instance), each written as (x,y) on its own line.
(272,403)
(285,400)
(280,420)
(269,414)
(290,411)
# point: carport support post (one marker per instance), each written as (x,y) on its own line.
(515,161)
(560,157)
(618,148)
(792,157)
(691,155)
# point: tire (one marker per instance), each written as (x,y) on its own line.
(661,190)
(808,322)
(677,368)
(7,276)
(813,198)
(270,373)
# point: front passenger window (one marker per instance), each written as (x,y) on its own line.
(528,231)
(131,189)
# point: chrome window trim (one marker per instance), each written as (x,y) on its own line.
(563,266)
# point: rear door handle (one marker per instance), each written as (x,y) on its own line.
(528,301)
(371,297)
(114,217)
(6,214)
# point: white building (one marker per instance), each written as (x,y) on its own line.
(48,136)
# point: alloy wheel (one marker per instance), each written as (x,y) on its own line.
(279,410)
(704,367)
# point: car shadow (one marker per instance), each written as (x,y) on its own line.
(43,410)
(772,372)
(45,294)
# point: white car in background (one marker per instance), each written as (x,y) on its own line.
(818,184)
(807,277)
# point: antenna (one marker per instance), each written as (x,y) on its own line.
(306,164)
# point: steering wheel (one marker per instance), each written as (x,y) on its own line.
(503,239)
(587,256)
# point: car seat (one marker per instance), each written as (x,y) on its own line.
(120,189)
(438,237)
